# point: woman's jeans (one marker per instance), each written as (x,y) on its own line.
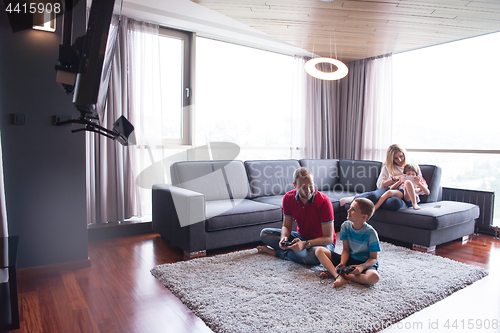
(272,237)
(392,203)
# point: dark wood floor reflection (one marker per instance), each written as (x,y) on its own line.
(119,294)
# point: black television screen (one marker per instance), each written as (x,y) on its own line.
(96,57)
(84,70)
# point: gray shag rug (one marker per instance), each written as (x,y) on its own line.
(250,292)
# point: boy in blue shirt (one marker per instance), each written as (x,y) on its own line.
(360,248)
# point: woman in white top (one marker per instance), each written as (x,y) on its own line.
(392,170)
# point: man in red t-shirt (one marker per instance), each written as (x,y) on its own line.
(313,214)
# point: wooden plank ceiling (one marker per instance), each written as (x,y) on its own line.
(356,29)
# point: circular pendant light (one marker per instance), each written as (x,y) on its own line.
(312,70)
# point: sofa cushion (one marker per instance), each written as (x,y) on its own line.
(271,177)
(432,216)
(227,214)
(217,180)
(358,176)
(325,172)
(432,175)
(335,197)
(276,200)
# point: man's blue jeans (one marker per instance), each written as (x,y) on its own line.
(272,237)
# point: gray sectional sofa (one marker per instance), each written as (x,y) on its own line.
(217,204)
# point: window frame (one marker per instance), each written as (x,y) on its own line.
(187,83)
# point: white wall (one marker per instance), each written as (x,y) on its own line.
(44,165)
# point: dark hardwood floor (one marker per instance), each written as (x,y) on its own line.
(118,293)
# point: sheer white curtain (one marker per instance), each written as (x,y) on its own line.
(146,111)
(4,232)
(377,118)
(299,100)
(113,190)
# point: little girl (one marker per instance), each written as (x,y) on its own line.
(405,189)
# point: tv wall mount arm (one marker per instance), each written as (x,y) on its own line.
(90,127)
(123,130)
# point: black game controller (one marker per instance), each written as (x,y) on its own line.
(287,243)
(345,270)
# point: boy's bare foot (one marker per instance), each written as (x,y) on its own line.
(346,200)
(325,275)
(340,282)
(417,207)
(265,249)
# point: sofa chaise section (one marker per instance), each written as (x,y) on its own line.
(435,223)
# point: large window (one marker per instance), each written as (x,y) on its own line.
(244,96)
(446,107)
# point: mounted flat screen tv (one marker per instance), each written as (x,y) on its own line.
(94,70)
(84,70)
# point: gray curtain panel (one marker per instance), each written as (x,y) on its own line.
(112,193)
(343,116)
(107,177)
